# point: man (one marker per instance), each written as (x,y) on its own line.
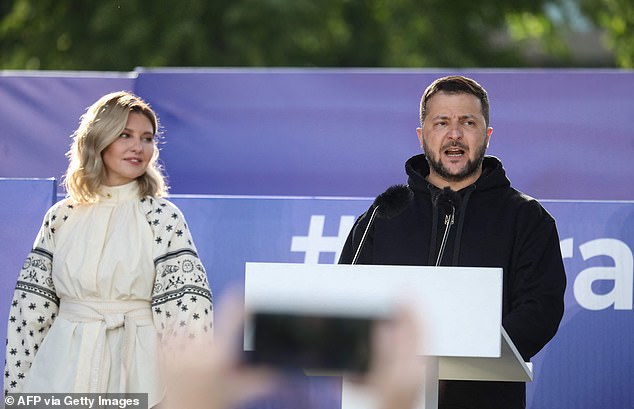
(459,209)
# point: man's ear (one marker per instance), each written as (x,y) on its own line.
(419,133)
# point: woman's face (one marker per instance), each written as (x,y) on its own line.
(128,156)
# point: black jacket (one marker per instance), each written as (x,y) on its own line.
(495,226)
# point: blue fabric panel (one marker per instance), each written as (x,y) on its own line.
(23,203)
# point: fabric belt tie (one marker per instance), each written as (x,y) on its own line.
(94,354)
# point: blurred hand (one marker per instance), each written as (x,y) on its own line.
(395,379)
(205,374)
(202,373)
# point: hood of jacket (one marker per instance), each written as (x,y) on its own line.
(493,174)
(447,232)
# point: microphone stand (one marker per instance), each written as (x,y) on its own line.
(365,233)
(448,222)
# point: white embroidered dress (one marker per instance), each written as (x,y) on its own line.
(124,274)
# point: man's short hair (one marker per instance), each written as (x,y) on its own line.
(455,84)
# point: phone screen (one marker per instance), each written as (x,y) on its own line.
(311,342)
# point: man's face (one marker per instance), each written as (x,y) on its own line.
(455,138)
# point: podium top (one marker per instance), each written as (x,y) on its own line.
(460,307)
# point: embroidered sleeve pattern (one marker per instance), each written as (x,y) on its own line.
(181,300)
(35,303)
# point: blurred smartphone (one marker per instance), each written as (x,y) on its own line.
(311,342)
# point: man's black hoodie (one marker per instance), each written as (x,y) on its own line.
(494,226)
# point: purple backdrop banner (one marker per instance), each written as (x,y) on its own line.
(588,365)
(40,112)
(561,134)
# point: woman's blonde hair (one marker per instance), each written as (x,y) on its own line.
(101,125)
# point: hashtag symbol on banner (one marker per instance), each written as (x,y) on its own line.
(316,243)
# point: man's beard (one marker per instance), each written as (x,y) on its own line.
(469,169)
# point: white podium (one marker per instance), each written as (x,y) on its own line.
(461,313)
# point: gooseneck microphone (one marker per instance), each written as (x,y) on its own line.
(446,200)
(387,205)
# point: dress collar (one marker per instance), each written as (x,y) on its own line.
(116,194)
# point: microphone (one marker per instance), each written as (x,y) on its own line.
(387,205)
(447,201)
(394,201)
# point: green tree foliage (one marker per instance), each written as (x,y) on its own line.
(617,18)
(122,34)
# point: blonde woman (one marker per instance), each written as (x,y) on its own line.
(113,272)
